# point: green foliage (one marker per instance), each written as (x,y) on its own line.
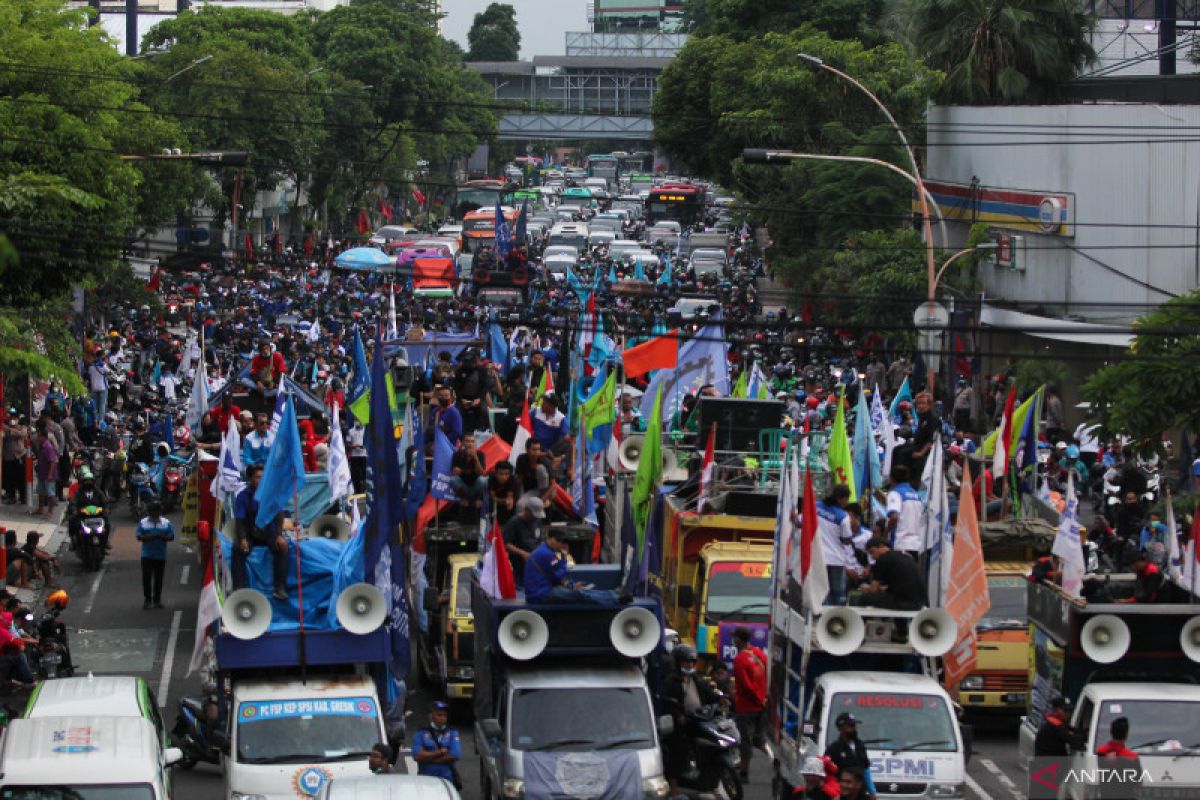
(1155,387)
(494,35)
(998,51)
(841,19)
(1031,373)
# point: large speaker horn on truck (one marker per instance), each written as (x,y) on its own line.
(932,632)
(246,614)
(630,453)
(523,635)
(634,632)
(840,631)
(1189,639)
(330,526)
(361,608)
(1104,638)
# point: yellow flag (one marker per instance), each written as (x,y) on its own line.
(841,463)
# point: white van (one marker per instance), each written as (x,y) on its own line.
(388,787)
(907,723)
(574,234)
(84,756)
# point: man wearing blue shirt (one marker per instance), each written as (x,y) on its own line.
(249,535)
(154,531)
(437,748)
(546,578)
(257,446)
(446,417)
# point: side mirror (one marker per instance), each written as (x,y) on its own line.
(429,598)
(685,596)
(172,756)
(491,728)
(968,737)
(666,725)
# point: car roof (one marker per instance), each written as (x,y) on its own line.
(290,688)
(391,787)
(617,676)
(110,696)
(880,682)
(1142,691)
(80,748)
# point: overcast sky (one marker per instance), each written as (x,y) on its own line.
(542,22)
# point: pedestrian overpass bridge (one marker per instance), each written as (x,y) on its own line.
(576,126)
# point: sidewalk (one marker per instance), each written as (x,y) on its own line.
(53,538)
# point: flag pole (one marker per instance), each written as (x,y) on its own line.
(299,584)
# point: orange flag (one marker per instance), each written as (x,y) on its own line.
(661,352)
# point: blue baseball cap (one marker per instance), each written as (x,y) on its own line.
(440,705)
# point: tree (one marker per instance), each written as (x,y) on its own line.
(998,51)
(1151,389)
(494,35)
(841,19)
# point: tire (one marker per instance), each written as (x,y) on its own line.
(485,783)
(520,276)
(731,784)
(482,276)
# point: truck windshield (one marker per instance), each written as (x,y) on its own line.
(899,721)
(1155,726)
(738,590)
(295,731)
(549,719)
(1007,596)
(123,791)
(462,593)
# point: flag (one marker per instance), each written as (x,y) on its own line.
(443,456)
(198,402)
(706,469)
(1174,554)
(702,360)
(939,534)
(416,488)
(524,431)
(599,411)
(284,471)
(905,393)
(519,235)
(660,353)
(229,471)
(612,274)
(504,239)
(393,330)
(357,399)
(207,612)
(249,248)
(841,464)
(340,484)
(665,277)
(967,597)
(385,209)
(497,347)
(878,415)
(383,558)
(649,474)
(547,385)
(363,224)
(496,574)
(277,415)
(814,580)
(1067,545)
(757,386)
(1000,448)
(583,495)
(314,332)
(419,196)
(741,388)
(154,281)
(867,471)
(639,270)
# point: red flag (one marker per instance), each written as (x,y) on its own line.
(814,581)
(1000,454)
(155,281)
(385,209)
(662,352)
(706,469)
(363,224)
(249,248)
(496,576)
(276,245)
(308,245)
(420,198)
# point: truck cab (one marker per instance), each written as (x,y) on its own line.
(452,630)
(999,684)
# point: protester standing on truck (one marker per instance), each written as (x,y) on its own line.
(749,696)
(904,513)
(249,536)
(834,526)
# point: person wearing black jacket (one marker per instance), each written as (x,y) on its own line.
(684,691)
(1054,735)
(848,750)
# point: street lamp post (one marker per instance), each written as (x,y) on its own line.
(194,64)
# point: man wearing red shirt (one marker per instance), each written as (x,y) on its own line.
(225,410)
(1122,768)
(749,696)
(266,369)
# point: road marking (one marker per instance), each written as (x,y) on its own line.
(977,789)
(183,575)
(91,601)
(169,659)
(1004,780)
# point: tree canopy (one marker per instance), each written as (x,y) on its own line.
(841,19)
(494,35)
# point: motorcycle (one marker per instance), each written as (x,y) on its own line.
(714,757)
(141,489)
(53,653)
(92,537)
(193,733)
(175,475)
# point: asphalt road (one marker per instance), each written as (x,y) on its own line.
(112,634)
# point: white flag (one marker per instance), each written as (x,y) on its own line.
(340,484)
(393,330)
(229,472)
(1066,543)
(198,402)
(314,332)
(1174,554)
(939,535)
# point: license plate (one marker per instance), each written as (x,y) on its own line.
(52,658)
(1014,698)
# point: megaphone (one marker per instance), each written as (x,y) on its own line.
(630,452)
(932,632)
(523,635)
(1104,638)
(840,631)
(672,471)
(634,632)
(361,608)
(1189,639)
(330,526)
(246,614)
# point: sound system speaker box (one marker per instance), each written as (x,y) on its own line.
(750,504)
(738,421)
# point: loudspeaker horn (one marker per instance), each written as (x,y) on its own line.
(246,614)
(673,471)
(932,632)
(523,635)
(1104,638)
(330,526)
(840,631)
(1189,639)
(634,632)
(361,608)
(630,452)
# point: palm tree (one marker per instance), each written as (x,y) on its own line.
(998,51)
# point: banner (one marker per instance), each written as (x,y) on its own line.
(702,360)
(443,456)
(191,510)
(967,598)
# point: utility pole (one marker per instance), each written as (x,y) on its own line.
(131,27)
(1166,37)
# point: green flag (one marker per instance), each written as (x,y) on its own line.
(740,388)
(361,408)
(649,473)
(841,463)
(599,409)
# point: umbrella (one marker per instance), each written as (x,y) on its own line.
(364,259)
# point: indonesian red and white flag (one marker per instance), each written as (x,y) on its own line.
(706,470)
(814,581)
(496,576)
(524,432)
(1000,454)
(207,612)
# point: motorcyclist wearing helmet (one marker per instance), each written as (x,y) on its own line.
(684,692)
(88,494)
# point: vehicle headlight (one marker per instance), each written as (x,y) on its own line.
(971,683)
(513,787)
(947,790)
(655,787)
(464,673)
(241,796)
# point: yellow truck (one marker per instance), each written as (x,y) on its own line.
(716,576)
(1000,682)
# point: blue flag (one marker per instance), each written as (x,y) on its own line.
(666,277)
(905,393)
(612,274)
(639,270)
(702,360)
(443,455)
(519,234)
(283,474)
(360,378)
(504,239)
(497,347)
(868,473)
(383,557)
(416,490)
(575,285)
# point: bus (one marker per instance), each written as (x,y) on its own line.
(640,182)
(604,166)
(479,227)
(484,193)
(682,202)
(630,163)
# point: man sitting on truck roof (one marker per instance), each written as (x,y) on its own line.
(546,578)
(249,535)
(1149,582)
(895,580)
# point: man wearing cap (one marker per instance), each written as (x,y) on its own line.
(848,750)
(522,533)
(546,578)
(436,748)
(1054,735)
